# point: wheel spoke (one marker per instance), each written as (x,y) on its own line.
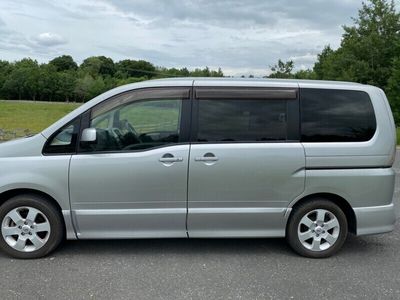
(305,235)
(7,231)
(32,214)
(316,244)
(36,241)
(15,216)
(331,224)
(20,244)
(330,239)
(306,221)
(320,215)
(45,226)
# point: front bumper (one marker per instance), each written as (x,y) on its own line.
(375,219)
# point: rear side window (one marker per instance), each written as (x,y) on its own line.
(336,116)
(241,120)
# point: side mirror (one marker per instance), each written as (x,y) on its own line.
(89,136)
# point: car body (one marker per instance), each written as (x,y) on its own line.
(210,158)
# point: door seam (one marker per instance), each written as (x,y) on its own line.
(72,215)
(188,166)
(187,192)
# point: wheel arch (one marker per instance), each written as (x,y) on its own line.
(6,195)
(339,201)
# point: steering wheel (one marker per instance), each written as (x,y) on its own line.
(131,134)
(128,126)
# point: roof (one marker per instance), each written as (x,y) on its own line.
(254,80)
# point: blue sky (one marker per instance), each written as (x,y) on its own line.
(241,37)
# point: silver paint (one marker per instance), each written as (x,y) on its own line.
(245,190)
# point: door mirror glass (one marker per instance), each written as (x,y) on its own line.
(89,135)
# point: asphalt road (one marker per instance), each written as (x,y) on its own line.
(367,267)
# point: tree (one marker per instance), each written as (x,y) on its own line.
(23,81)
(323,65)
(32,81)
(282,69)
(305,74)
(66,85)
(217,73)
(98,65)
(135,68)
(82,87)
(367,48)
(64,63)
(13,86)
(393,89)
(5,70)
(373,41)
(48,82)
(88,87)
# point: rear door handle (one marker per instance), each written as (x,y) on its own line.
(208,157)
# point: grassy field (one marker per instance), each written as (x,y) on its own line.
(398,135)
(19,118)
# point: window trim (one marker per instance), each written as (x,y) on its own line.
(240,93)
(186,94)
(292,110)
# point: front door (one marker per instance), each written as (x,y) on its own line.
(246,163)
(132,182)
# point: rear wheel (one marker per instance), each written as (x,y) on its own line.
(317,228)
(31,226)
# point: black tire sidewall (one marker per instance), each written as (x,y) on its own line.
(300,211)
(49,210)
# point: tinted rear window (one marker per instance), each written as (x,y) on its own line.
(241,120)
(336,116)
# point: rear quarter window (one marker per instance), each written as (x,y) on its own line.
(329,115)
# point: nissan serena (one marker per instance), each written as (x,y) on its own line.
(205,158)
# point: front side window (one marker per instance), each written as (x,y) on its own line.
(336,116)
(136,125)
(241,120)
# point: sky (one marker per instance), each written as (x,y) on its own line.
(240,36)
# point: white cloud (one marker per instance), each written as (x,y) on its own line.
(49,39)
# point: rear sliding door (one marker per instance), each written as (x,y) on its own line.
(246,162)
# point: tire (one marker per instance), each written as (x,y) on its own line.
(317,228)
(31,226)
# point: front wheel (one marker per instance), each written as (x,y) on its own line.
(317,229)
(31,226)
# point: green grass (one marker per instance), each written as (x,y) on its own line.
(24,117)
(398,135)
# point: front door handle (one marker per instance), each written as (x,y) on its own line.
(169,158)
(208,157)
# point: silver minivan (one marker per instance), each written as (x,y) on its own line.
(205,158)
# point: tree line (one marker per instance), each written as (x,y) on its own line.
(61,79)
